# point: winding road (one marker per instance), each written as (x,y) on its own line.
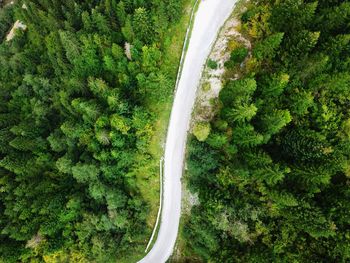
(210,16)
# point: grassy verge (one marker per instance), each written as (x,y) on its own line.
(183,253)
(195,6)
(147,176)
(162,110)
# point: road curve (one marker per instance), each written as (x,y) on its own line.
(210,16)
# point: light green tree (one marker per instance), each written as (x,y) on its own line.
(201,130)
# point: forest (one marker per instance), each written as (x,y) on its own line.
(273,174)
(79,92)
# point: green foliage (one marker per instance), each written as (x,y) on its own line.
(276,85)
(274,121)
(246,136)
(272,177)
(242,113)
(217,140)
(238,55)
(238,91)
(142,25)
(76,121)
(201,164)
(267,48)
(212,64)
(201,130)
(304,145)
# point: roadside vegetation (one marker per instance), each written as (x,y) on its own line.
(81,92)
(272,167)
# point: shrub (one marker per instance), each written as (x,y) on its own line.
(239,54)
(201,130)
(212,64)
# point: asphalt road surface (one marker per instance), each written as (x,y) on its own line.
(210,17)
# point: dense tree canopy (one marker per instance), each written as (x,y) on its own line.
(273,174)
(75,124)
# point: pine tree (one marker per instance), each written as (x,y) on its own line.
(241,113)
(246,136)
(273,122)
(142,25)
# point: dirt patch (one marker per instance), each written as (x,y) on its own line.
(189,200)
(212,78)
(35,241)
(18,25)
(6,2)
(128,50)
